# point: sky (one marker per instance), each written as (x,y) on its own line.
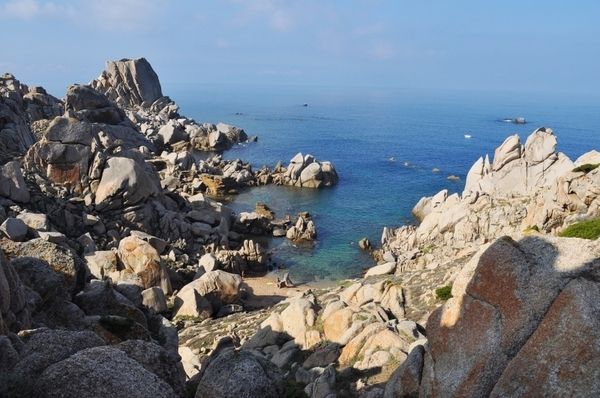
(513,46)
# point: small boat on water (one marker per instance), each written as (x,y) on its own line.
(467,136)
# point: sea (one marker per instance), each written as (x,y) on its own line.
(385,144)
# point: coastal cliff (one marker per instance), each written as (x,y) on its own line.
(123,273)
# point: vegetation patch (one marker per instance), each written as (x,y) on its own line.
(318,326)
(531,229)
(586,168)
(443,293)
(428,249)
(589,229)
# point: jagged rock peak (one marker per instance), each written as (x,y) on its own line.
(129,82)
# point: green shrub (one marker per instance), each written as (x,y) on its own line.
(443,293)
(589,229)
(586,168)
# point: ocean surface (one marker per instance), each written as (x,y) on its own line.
(384,144)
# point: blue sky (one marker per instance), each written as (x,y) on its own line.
(515,46)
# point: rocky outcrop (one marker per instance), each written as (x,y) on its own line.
(133,85)
(130,83)
(22,109)
(303,230)
(104,216)
(306,171)
(525,187)
(506,315)
(518,170)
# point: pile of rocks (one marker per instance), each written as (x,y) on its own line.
(59,339)
(135,87)
(109,236)
(345,340)
(306,171)
(24,111)
(527,187)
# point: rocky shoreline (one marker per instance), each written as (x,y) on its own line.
(123,273)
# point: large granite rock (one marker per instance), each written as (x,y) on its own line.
(240,374)
(124,182)
(12,183)
(157,360)
(129,82)
(101,372)
(143,261)
(44,347)
(91,105)
(61,260)
(205,295)
(502,333)
(306,171)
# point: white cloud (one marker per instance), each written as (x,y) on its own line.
(123,15)
(278,15)
(24,9)
(30,9)
(119,15)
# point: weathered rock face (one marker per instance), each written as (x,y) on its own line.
(519,170)
(142,261)
(155,359)
(59,259)
(44,347)
(89,104)
(591,157)
(505,316)
(12,184)
(125,179)
(73,153)
(240,374)
(526,187)
(21,106)
(15,137)
(101,372)
(129,82)
(204,296)
(14,311)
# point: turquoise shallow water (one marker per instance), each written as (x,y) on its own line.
(384,144)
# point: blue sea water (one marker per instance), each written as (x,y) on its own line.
(384,144)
